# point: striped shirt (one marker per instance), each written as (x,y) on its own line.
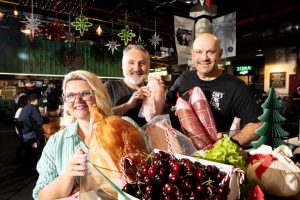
(58,150)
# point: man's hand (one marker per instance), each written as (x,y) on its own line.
(138,97)
(219,136)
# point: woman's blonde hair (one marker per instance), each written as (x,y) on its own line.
(103,100)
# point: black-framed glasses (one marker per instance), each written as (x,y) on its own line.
(85,95)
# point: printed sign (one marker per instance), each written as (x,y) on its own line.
(277,79)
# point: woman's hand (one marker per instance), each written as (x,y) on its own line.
(77,165)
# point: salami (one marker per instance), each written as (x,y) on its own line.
(202,109)
(191,125)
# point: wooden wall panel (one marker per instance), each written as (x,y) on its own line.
(43,56)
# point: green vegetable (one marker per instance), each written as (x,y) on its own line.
(225,151)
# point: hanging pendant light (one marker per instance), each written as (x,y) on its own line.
(16,12)
(99,31)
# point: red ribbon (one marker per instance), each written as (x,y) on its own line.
(267,159)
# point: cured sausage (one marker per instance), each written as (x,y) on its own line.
(202,109)
(191,125)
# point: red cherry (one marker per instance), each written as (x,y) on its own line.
(201,175)
(152,171)
(200,188)
(187,184)
(150,190)
(148,180)
(144,170)
(174,177)
(219,177)
(139,176)
(176,167)
(169,188)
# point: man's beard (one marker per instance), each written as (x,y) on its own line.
(133,80)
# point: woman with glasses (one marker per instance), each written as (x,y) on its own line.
(64,158)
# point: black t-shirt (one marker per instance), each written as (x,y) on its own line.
(31,117)
(227,95)
(120,93)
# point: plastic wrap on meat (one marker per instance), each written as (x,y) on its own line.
(202,109)
(154,104)
(191,125)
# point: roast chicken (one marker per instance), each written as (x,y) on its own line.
(112,140)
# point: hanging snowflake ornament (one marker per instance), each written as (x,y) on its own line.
(126,35)
(55,31)
(32,28)
(155,38)
(81,24)
(32,23)
(112,45)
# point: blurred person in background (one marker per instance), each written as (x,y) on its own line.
(22,101)
(52,94)
(31,118)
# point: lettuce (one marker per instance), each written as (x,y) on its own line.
(225,151)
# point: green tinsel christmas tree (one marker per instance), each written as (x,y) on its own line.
(271,132)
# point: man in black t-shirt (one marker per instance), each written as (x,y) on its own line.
(127,95)
(227,95)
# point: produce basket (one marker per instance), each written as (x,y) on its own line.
(90,190)
(234,176)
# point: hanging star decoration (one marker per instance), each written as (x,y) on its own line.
(55,31)
(112,45)
(81,24)
(126,35)
(32,25)
(155,38)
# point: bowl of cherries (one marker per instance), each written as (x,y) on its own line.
(168,177)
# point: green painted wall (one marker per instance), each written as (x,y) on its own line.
(43,56)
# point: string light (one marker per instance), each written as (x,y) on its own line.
(16,12)
(1,15)
(99,30)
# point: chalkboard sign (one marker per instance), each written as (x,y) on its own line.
(277,79)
